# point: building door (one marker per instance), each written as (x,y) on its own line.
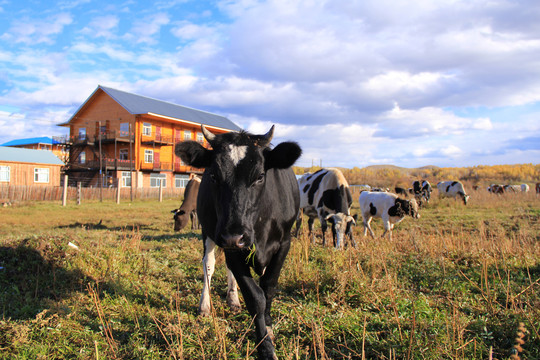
(156,160)
(158,133)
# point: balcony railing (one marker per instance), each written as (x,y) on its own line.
(106,136)
(109,164)
(158,139)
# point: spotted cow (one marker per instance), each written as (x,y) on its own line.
(452,189)
(325,195)
(389,207)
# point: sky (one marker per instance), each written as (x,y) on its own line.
(449,83)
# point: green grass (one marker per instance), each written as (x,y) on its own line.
(454,284)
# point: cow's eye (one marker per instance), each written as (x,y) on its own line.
(260,179)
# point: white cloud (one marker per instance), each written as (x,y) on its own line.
(102,26)
(31,31)
(148,30)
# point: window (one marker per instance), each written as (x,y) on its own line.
(155,179)
(180,181)
(124,129)
(123,154)
(126,178)
(148,156)
(200,137)
(147,129)
(187,135)
(82,157)
(82,134)
(4,173)
(41,175)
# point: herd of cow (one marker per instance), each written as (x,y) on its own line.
(248,200)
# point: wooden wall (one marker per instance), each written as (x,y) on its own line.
(23,173)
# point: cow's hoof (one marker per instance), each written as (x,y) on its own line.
(271,334)
(204,312)
(235,308)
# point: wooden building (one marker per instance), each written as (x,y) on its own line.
(129,139)
(29,167)
(41,143)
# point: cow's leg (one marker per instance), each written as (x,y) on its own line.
(269,280)
(324,226)
(232,292)
(194,220)
(387,229)
(255,300)
(367,226)
(310,228)
(209,263)
(298,223)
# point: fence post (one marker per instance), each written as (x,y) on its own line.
(160,191)
(79,186)
(64,193)
(118,191)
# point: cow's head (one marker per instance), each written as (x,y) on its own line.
(341,226)
(181,219)
(404,207)
(465,197)
(235,175)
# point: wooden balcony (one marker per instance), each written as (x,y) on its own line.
(158,140)
(110,164)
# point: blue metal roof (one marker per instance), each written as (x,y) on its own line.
(137,105)
(29,141)
(29,156)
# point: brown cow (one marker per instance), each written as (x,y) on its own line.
(188,209)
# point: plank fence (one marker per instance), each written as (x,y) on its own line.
(10,194)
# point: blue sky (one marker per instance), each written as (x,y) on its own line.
(356,83)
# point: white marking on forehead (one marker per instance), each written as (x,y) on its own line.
(237,153)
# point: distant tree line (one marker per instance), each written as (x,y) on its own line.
(391,176)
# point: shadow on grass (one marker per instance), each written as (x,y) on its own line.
(28,281)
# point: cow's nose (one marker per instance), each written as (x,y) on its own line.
(234,241)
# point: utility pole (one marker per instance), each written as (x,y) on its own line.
(131,140)
(100,164)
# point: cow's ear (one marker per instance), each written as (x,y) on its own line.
(282,156)
(193,154)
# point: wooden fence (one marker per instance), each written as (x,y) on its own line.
(20,193)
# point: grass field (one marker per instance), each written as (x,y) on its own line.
(458,283)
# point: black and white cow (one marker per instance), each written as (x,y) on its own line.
(247,205)
(422,190)
(401,191)
(387,206)
(452,189)
(188,209)
(325,195)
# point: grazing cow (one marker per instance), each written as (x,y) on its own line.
(496,189)
(452,189)
(387,206)
(188,209)
(525,188)
(247,205)
(401,191)
(422,190)
(512,188)
(325,194)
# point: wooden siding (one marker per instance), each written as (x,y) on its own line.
(23,173)
(165,133)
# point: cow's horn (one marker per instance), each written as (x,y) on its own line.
(207,134)
(266,138)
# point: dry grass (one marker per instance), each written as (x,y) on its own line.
(461,282)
